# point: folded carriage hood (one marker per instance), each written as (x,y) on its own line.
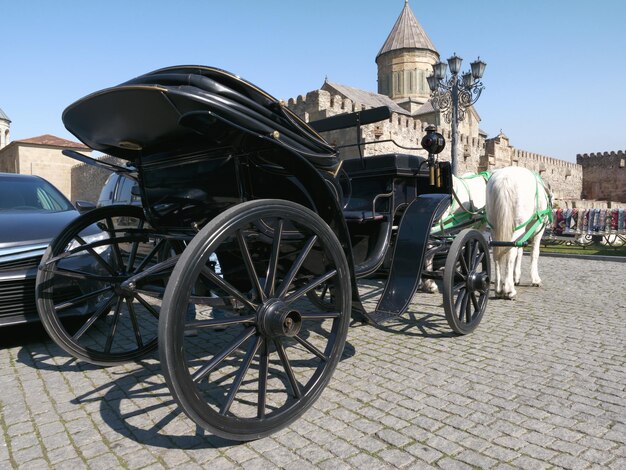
(21,228)
(177,107)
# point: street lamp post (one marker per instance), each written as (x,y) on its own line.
(453,95)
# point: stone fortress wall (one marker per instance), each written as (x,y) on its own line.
(404,130)
(87,180)
(605,175)
(475,153)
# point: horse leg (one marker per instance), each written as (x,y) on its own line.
(508,290)
(517,274)
(534,261)
(429,285)
(497,261)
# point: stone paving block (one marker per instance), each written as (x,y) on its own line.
(424,453)
(393,438)
(396,458)
(449,464)
(476,459)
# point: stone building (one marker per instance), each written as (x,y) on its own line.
(42,156)
(5,124)
(404,61)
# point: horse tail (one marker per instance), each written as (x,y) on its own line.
(501,202)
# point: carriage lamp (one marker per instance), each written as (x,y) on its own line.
(452,95)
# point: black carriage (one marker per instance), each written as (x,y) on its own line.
(242,263)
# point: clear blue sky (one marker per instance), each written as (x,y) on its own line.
(554,77)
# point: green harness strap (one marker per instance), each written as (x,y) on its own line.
(540,217)
(453,219)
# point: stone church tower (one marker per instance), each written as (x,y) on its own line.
(5,124)
(404,62)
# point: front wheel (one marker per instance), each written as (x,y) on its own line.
(257,352)
(466,279)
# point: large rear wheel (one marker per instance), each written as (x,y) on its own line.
(259,352)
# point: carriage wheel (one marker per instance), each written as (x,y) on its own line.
(105,273)
(259,352)
(466,281)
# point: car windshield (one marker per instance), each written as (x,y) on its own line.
(31,194)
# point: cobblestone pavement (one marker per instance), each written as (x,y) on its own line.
(540,384)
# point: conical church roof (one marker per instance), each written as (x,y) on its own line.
(3,116)
(407,33)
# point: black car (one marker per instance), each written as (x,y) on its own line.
(32,213)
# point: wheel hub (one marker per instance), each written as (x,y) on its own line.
(275,318)
(478,281)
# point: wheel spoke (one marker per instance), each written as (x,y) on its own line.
(76,274)
(217,359)
(472,254)
(468,308)
(116,317)
(457,287)
(224,285)
(133,250)
(82,299)
(116,247)
(99,259)
(247,259)
(150,255)
(464,303)
(324,290)
(463,261)
(247,360)
(474,301)
(310,286)
(133,319)
(479,259)
(459,301)
(263,370)
(270,277)
(106,306)
(158,271)
(147,306)
(284,287)
(295,387)
(221,322)
(311,348)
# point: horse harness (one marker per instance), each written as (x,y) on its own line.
(541,218)
(466,215)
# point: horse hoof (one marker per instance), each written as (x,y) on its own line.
(430,288)
(536,284)
(516,283)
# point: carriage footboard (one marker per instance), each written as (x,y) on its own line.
(408,256)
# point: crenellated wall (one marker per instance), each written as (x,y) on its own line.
(565,178)
(405,131)
(475,152)
(605,175)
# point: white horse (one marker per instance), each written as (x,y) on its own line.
(518,209)
(468,203)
